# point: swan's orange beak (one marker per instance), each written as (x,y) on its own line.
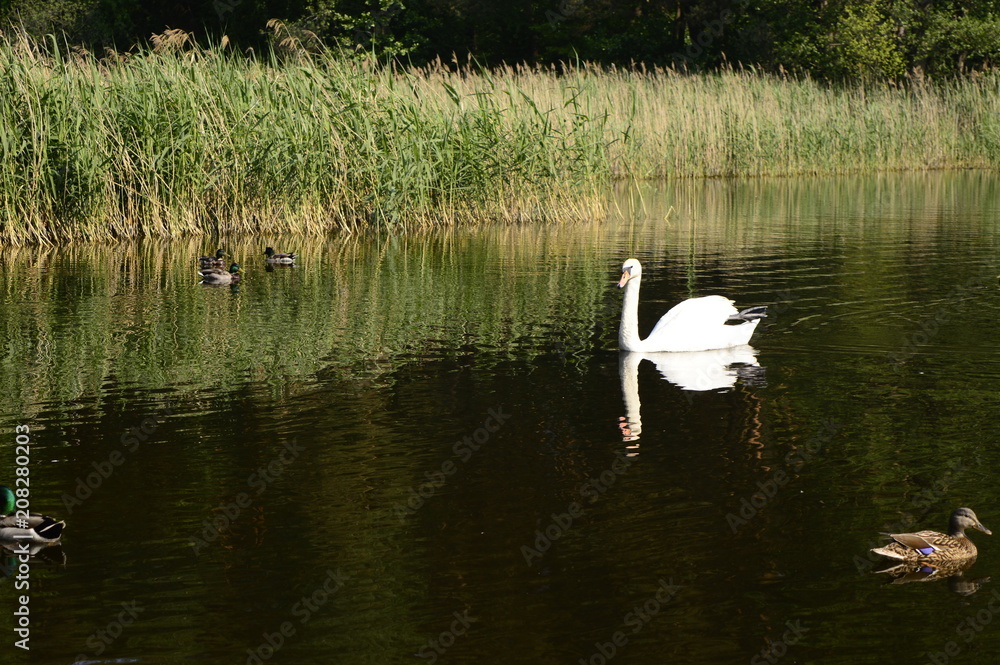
(626,274)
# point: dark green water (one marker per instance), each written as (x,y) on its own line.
(408,450)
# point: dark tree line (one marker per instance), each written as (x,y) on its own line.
(827,38)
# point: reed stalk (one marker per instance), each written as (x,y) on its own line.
(178,140)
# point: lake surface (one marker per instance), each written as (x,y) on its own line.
(428,449)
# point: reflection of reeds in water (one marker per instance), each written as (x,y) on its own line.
(748,215)
(77,316)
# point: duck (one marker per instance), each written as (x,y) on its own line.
(932,547)
(695,324)
(220,276)
(213,261)
(36,529)
(274,257)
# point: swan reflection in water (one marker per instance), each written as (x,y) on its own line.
(717,369)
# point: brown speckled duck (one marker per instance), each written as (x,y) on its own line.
(933,547)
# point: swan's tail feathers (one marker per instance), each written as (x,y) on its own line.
(749,314)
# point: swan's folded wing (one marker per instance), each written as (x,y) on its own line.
(696,313)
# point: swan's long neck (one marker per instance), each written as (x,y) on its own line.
(628,331)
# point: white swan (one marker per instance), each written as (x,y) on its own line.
(696,324)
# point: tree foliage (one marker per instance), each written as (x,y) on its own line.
(834,39)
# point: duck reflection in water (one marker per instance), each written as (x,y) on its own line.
(49,553)
(696,371)
(954,572)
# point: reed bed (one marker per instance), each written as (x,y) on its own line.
(182,140)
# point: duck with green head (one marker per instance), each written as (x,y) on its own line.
(932,547)
(274,257)
(220,275)
(36,529)
(213,261)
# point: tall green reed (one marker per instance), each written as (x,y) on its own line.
(179,140)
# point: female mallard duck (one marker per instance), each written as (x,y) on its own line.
(36,529)
(933,547)
(273,257)
(213,261)
(220,276)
